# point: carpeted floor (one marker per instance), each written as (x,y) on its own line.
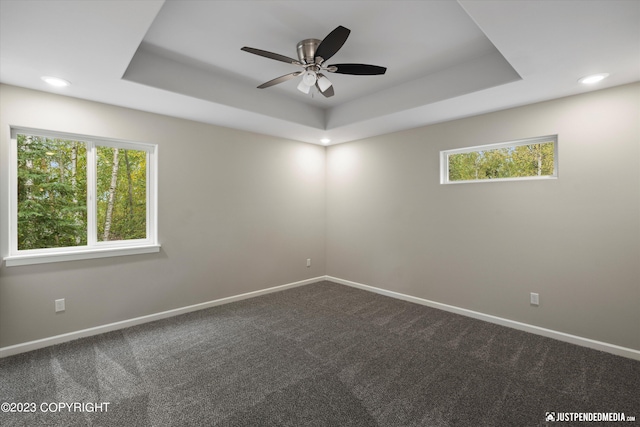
(318,355)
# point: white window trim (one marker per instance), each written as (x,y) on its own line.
(94,248)
(444,160)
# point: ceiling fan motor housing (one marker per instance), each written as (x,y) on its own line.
(307,50)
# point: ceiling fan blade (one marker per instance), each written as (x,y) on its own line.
(271,55)
(359,69)
(332,43)
(279,80)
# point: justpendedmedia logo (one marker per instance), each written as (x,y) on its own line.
(588,417)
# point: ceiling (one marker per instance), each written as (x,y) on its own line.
(445,59)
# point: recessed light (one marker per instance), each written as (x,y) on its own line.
(56,81)
(325,141)
(594,78)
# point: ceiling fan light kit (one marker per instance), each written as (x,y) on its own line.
(309,77)
(312,54)
(303,87)
(323,83)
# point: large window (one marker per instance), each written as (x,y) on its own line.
(75,197)
(533,158)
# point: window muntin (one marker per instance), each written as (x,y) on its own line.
(72,194)
(533,158)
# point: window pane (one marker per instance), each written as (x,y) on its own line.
(509,162)
(52,193)
(121,194)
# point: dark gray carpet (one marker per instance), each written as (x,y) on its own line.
(318,355)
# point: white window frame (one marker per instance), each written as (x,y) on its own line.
(94,248)
(444,159)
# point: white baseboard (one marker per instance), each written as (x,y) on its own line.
(549,333)
(561,336)
(46,342)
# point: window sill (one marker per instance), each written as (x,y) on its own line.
(522,178)
(16,260)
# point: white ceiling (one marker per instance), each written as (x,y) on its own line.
(445,59)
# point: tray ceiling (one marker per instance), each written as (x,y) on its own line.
(445,59)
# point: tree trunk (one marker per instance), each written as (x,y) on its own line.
(74,186)
(539,158)
(74,169)
(112,194)
(29,165)
(126,162)
(61,161)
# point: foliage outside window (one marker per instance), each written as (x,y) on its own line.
(74,194)
(534,158)
(121,194)
(52,193)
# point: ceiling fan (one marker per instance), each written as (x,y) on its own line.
(312,54)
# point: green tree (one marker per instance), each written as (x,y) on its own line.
(534,159)
(507,162)
(52,193)
(52,198)
(121,194)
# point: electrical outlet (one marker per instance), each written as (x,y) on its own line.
(60,305)
(308,262)
(535,299)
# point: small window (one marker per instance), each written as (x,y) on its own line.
(76,197)
(534,158)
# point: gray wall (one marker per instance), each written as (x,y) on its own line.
(238,212)
(485,247)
